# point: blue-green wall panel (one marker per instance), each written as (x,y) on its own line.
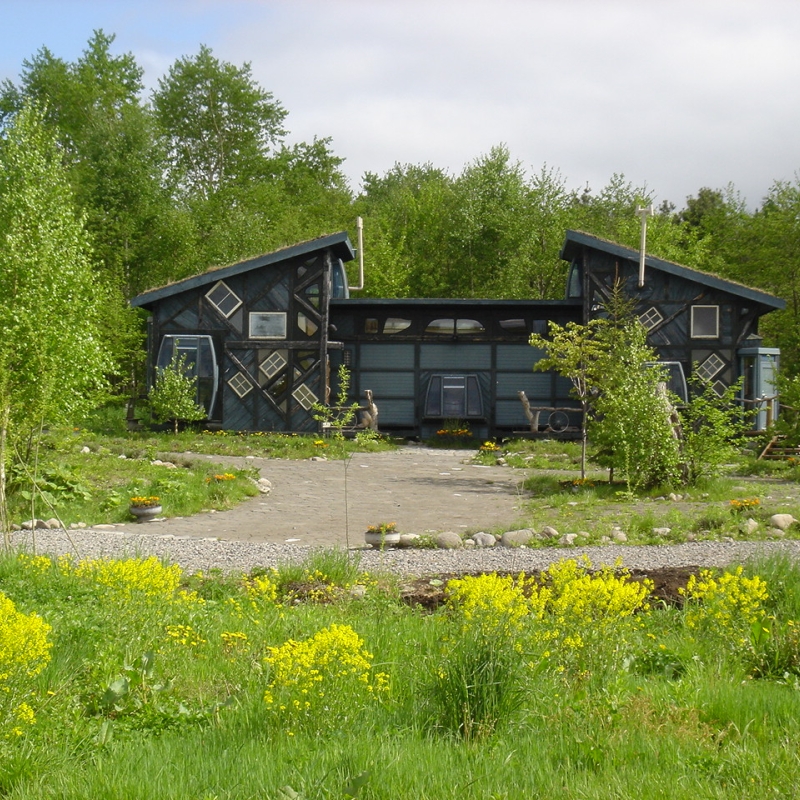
(387,356)
(388,384)
(460,356)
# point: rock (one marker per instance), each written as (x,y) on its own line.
(518,538)
(662,531)
(468,543)
(618,535)
(123,457)
(53,523)
(605,540)
(548,532)
(782,521)
(31,524)
(447,540)
(674,497)
(568,539)
(408,540)
(263,485)
(484,539)
(103,527)
(317,458)
(159,463)
(775,533)
(85,449)
(750,526)
(358,590)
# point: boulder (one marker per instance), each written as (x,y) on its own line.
(618,535)
(518,538)
(782,521)
(568,539)
(750,526)
(484,539)
(662,531)
(408,540)
(549,532)
(53,523)
(448,540)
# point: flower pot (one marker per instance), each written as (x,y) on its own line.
(145,513)
(381,540)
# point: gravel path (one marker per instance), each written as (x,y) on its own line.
(202,554)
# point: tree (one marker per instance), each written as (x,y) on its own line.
(218,124)
(574,351)
(173,397)
(52,360)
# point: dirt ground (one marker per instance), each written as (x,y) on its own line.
(330,503)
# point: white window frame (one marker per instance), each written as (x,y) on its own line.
(256,316)
(240,385)
(714,335)
(651,318)
(303,395)
(230,293)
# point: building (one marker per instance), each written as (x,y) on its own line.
(265,338)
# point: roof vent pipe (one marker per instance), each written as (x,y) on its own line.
(644,213)
(360,227)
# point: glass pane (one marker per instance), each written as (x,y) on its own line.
(442,327)
(371,325)
(433,406)
(469,326)
(268,325)
(396,325)
(705,321)
(453,396)
(517,325)
(474,405)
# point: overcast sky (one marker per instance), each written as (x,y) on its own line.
(675,95)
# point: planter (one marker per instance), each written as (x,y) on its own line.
(145,513)
(382,540)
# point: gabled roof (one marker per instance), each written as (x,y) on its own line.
(575,240)
(338,242)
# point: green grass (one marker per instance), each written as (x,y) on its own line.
(192,721)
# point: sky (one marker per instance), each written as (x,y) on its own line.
(675,95)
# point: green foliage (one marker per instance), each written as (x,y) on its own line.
(713,429)
(343,414)
(173,397)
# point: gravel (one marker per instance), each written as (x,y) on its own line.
(195,554)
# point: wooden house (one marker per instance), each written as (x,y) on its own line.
(265,337)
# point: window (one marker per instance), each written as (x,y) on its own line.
(371,325)
(273,364)
(442,327)
(268,325)
(304,396)
(651,318)
(453,397)
(710,367)
(516,325)
(705,322)
(469,326)
(396,325)
(575,282)
(240,385)
(223,299)
(201,363)
(307,326)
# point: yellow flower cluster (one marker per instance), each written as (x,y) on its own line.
(489,447)
(738,506)
(37,564)
(382,527)
(495,603)
(24,647)
(320,670)
(234,641)
(728,604)
(261,588)
(145,502)
(148,577)
(184,635)
(225,476)
(465,432)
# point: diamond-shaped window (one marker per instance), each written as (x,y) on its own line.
(223,299)
(272,365)
(651,318)
(304,396)
(240,384)
(710,367)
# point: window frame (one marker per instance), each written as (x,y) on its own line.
(230,292)
(272,314)
(693,325)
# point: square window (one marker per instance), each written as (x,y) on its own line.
(371,325)
(268,325)
(304,396)
(240,385)
(651,318)
(719,387)
(223,299)
(272,365)
(705,322)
